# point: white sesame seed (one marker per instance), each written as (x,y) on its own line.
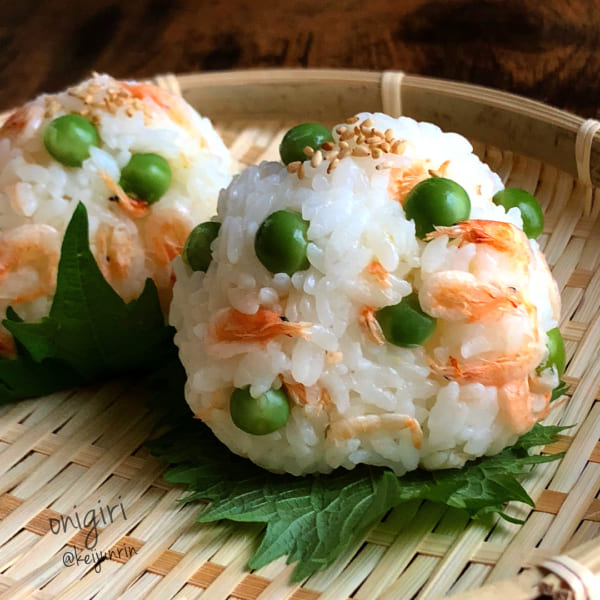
(398,147)
(316,159)
(360,151)
(333,165)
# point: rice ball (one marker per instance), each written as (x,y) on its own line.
(347,312)
(146,166)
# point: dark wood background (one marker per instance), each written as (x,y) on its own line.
(544,49)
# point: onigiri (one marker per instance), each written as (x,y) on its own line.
(370,301)
(146,166)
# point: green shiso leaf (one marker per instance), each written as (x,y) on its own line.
(560,390)
(90,332)
(312,519)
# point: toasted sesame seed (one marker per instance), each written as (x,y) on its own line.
(317,159)
(360,151)
(398,147)
(293,166)
(333,165)
(374,139)
(308,151)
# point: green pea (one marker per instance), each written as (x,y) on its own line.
(196,250)
(556,352)
(280,242)
(405,324)
(259,416)
(531,211)
(436,201)
(146,177)
(68,139)
(297,138)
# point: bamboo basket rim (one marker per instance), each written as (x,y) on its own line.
(575,141)
(550,135)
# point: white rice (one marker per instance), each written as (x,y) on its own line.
(37,190)
(353,220)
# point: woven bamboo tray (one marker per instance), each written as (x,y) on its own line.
(62,454)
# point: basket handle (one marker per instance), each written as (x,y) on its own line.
(574,575)
(499,118)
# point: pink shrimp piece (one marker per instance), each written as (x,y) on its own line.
(24,120)
(16,122)
(459,296)
(494,371)
(441,171)
(232,325)
(345,429)
(314,396)
(501,236)
(516,403)
(165,233)
(34,246)
(404,179)
(130,206)
(148,90)
(376,269)
(113,252)
(370,325)
(159,96)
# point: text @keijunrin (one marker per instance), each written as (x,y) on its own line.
(88,523)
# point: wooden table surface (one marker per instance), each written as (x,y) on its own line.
(544,49)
